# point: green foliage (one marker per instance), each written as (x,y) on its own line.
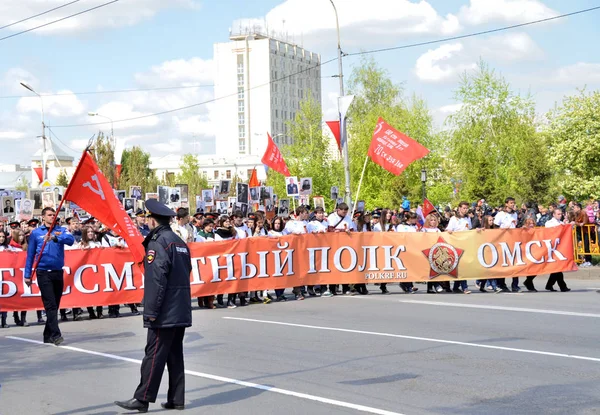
(573,135)
(23,185)
(309,155)
(190,175)
(136,171)
(376,96)
(494,146)
(104,154)
(62,179)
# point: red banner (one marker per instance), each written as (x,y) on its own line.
(393,150)
(106,276)
(90,190)
(274,159)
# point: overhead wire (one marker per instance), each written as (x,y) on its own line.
(447,39)
(38,15)
(484,32)
(199,103)
(58,20)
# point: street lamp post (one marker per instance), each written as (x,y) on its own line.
(347,195)
(112,129)
(423,181)
(44,148)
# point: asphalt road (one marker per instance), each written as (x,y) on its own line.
(530,353)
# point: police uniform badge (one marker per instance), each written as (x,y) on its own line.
(151,255)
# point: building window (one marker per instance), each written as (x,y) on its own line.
(242,145)
(240,64)
(240,106)
(216,174)
(241,131)
(241,118)
(241,92)
(228,174)
(276,113)
(240,80)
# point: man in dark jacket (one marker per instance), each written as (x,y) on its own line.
(167,311)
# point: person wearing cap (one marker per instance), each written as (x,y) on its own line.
(167,311)
(375,222)
(49,269)
(140,222)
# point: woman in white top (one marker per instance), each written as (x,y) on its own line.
(556,277)
(432,224)
(226,232)
(276,231)
(88,241)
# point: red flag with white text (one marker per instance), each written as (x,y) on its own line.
(92,192)
(393,150)
(274,159)
(428,207)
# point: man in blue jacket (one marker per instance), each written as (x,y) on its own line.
(49,269)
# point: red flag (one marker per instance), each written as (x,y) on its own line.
(40,173)
(393,150)
(90,190)
(428,207)
(274,159)
(253,180)
(334,126)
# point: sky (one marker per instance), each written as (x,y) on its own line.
(147,44)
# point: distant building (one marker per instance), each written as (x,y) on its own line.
(213,168)
(262,81)
(57,160)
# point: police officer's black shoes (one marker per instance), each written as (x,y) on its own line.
(171,405)
(133,405)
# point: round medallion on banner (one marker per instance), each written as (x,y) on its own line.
(443,259)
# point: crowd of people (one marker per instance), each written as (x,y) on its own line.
(208,227)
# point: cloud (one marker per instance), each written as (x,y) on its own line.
(120,14)
(480,12)
(65,105)
(580,73)
(361,22)
(179,72)
(448,61)
(11,135)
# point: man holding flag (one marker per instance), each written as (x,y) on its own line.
(46,257)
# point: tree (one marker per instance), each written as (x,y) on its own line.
(136,171)
(377,96)
(104,153)
(573,135)
(309,155)
(191,175)
(494,146)
(62,179)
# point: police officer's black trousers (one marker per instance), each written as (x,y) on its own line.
(51,287)
(163,346)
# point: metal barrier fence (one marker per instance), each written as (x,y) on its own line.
(585,242)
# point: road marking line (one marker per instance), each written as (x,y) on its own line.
(217,378)
(425,339)
(495,307)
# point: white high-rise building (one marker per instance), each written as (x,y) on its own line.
(259,83)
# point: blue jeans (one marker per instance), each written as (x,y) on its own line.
(460,284)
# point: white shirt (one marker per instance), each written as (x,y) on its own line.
(345,224)
(505,220)
(318,227)
(295,227)
(457,224)
(185,232)
(551,223)
(377,227)
(430,230)
(275,234)
(406,228)
(243,231)
(109,241)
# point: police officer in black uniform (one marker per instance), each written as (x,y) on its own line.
(167,311)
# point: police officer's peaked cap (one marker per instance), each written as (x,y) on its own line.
(14,225)
(155,208)
(212,215)
(140,212)
(33,222)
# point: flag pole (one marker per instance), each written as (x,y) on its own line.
(362,175)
